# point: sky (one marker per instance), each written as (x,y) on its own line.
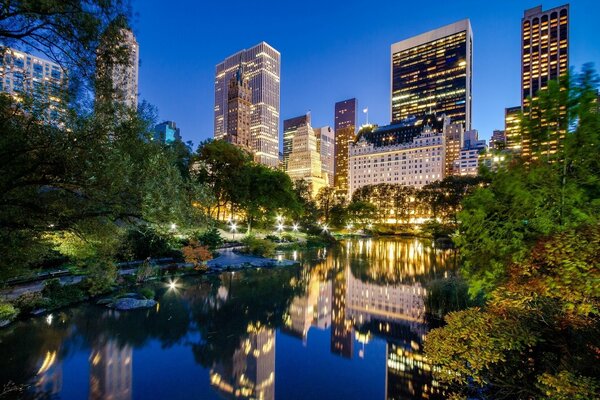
(332,51)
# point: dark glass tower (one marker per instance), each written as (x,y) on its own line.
(345,132)
(432,72)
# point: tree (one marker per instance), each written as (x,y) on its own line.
(196,254)
(326,199)
(361,212)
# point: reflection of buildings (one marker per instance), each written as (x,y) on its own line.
(111,371)
(251,371)
(341,327)
(49,378)
(409,374)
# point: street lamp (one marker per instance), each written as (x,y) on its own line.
(233,229)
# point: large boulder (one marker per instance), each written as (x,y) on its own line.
(128,303)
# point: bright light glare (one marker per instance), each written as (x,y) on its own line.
(279,227)
(233,227)
(49,319)
(173,226)
(349,226)
(295,227)
(325,228)
(173,284)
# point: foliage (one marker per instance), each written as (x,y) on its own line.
(8,312)
(196,254)
(258,247)
(211,238)
(500,222)
(145,271)
(435,229)
(28,302)
(147,292)
(101,276)
(142,242)
(59,295)
(326,200)
(539,334)
(361,212)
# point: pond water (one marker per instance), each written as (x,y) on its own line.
(349,323)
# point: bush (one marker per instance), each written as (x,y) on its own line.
(211,238)
(147,292)
(287,237)
(141,243)
(102,275)
(28,302)
(145,271)
(8,312)
(62,295)
(436,230)
(259,247)
(272,238)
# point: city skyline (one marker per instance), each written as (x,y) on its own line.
(341,65)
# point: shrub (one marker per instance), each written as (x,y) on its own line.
(141,243)
(259,247)
(436,230)
(28,302)
(196,254)
(8,312)
(147,292)
(211,238)
(62,295)
(145,271)
(272,238)
(287,237)
(102,275)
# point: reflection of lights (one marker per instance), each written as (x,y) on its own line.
(279,257)
(48,362)
(295,255)
(49,319)
(173,284)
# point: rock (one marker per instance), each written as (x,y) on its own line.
(4,322)
(128,303)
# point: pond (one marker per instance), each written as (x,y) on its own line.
(348,323)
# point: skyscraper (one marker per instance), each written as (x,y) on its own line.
(22,74)
(345,133)
(432,72)
(512,128)
(326,147)
(544,57)
(120,76)
(239,110)
(290,127)
(167,132)
(304,160)
(261,64)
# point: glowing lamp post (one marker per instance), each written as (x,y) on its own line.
(233,229)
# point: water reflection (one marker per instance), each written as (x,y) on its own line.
(366,297)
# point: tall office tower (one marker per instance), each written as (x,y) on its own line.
(22,74)
(454,142)
(544,57)
(304,162)
(118,77)
(262,69)
(326,147)
(167,132)
(345,133)
(468,162)
(433,72)
(239,110)
(512,129)
(290,127)
(498,140)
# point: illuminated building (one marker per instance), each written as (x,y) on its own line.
(345,133)
(167,132)
(467,163)
(304,162)
(290,127)
(512,129)
(411,153)
(454,142)
(122,77)
(22,74)
(326,147)
(544,58)
(239,110)
(498,140)
(262,69)
(111,371)
(342,342)
(250,374)
(432,72)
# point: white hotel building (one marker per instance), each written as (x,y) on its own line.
(415,155)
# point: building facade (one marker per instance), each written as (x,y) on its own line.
(544,58)
(326,147)
(239,110)
(22,74)
(498,140)
(120,75)
(304,161)
(432,72)
(468,162)
(416,161)
(345,133)
(512,128)
(454,142)
(261,65)
(290,127)
(167,132)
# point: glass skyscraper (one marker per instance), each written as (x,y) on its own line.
(345,132)
(432,72)
(261,65)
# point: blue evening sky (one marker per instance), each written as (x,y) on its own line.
(331,51)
